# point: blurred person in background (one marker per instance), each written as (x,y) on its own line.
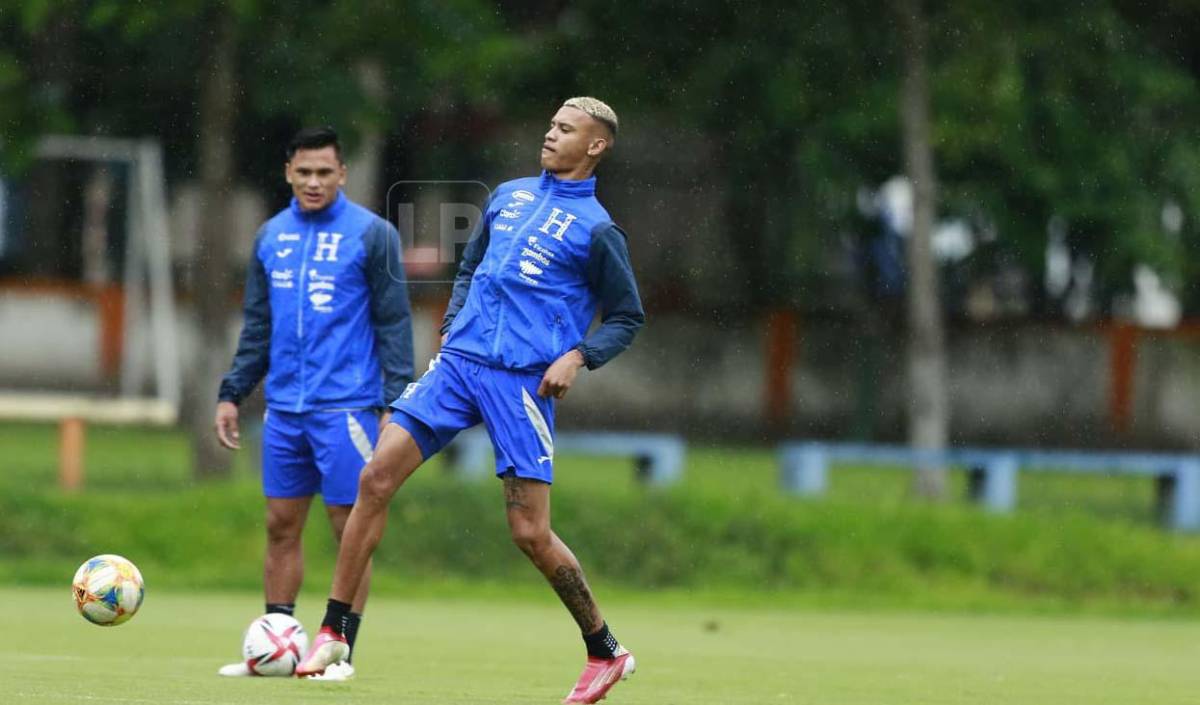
(544,257)
(327,321)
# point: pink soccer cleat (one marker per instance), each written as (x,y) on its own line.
(327,649)
(600,675)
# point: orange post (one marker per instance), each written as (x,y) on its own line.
(1122,360)
(110,305)
(780,352)
(70,454)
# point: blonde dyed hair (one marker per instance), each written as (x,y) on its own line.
(596,108)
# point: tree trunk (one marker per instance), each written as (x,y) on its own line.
(362,179)
(218,111)
(50,248)
(928,406)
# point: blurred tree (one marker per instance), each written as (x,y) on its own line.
(928,398)
(1066,114)
(1172,31)
(34,73)
(794,99)
(218,109)
(1040,112)
(1077,112)
(221,82)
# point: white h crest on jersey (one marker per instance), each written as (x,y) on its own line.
(562,224)
(327,247)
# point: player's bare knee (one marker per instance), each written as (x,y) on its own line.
(376,485)
(531,537)
(283,529)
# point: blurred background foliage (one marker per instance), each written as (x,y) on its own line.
(1071,117)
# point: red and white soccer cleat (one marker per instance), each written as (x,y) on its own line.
(343,671)
(327,649)
(600,675)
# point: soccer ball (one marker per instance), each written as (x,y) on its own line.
(274,644)
(108,590)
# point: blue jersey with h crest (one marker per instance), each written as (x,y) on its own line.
(326,312)
(543,260)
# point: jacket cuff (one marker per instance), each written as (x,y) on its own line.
(588,361)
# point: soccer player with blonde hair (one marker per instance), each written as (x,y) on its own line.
(545,256)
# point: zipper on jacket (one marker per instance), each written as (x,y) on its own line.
(300,316)
(518,238)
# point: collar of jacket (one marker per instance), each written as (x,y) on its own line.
(326,214)
(570,189)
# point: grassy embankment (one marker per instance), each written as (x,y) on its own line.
(725,533)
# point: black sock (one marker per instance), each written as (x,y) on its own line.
(602,644)
(288,608)
(353,619)
(335,615)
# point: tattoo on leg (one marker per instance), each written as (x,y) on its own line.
(572,589)
(514,493)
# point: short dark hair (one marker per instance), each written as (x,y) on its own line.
(315,138)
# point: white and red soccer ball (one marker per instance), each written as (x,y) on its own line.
(273,645)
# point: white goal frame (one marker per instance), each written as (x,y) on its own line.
(149,307)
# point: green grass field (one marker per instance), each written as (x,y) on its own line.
(727,591)
(447,651)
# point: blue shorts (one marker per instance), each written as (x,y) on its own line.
(317,452)
(456,393)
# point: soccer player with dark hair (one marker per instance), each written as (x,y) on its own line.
(544,258)
(327,322)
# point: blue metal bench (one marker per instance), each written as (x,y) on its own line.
(804,470)
(658,457)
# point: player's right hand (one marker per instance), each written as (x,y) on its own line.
(227,425)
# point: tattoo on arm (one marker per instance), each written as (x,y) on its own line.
(573,590)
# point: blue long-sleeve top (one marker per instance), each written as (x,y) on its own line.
(544,258)
(327,318)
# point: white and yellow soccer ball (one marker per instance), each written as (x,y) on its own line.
(274,644)
(108,590)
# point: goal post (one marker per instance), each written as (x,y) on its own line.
(134,312)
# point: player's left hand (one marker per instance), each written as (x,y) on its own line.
(384,418)
(561,375)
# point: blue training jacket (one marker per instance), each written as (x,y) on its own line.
(544,257)
(326,312)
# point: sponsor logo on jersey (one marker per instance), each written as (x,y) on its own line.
(510,214)
(541,258)
(320,290)
(523,195)
(282,278)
